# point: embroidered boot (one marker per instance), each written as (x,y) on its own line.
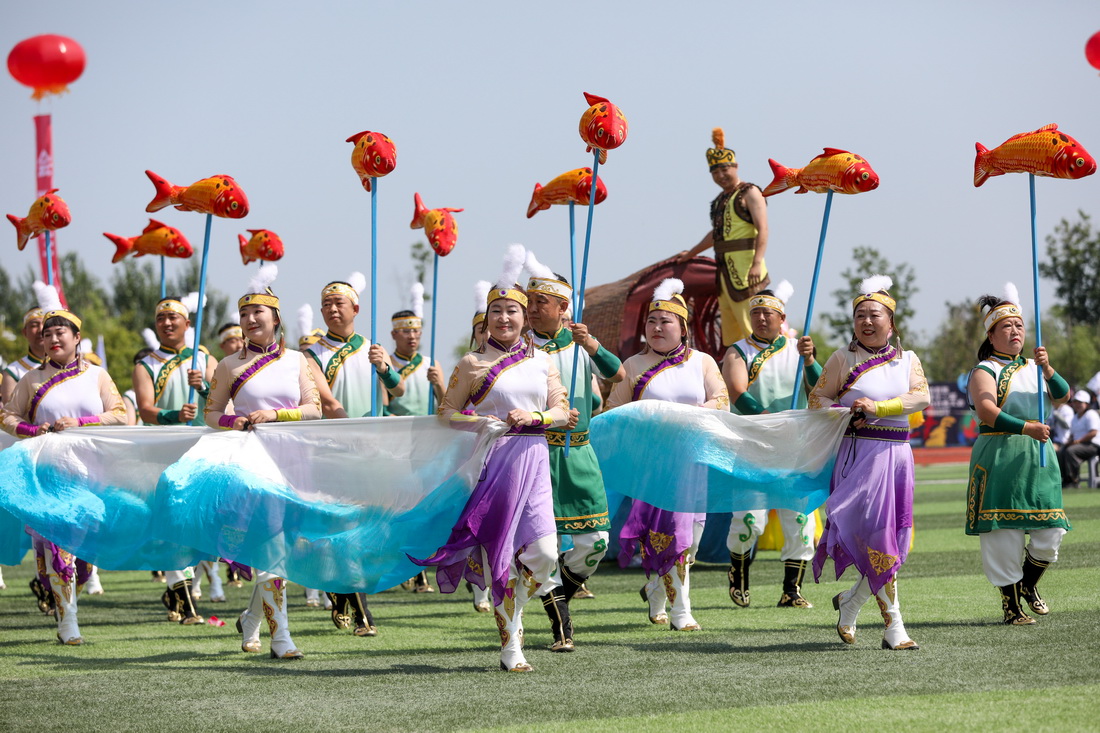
(793,572)
(677,587)
(248,623)
(93,586)
(62,581)
(739,578)
(894,636)
(509,618)
(653,593)
(561,626)
(848,603)
(1033,571)
(482,604)
(1010,603)
(185,605)
(273,600)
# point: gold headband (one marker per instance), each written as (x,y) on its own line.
(512,293)
(171,305)
(549,286)
(407,322)
(34,314)
(479,317)
(230,332)
(267,299)
(882,298)
(1001,312)
(70,317)
(677,306)
(341,289)
(767,301)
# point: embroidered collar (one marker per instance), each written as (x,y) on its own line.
(402,357)
(1007,358)
(763,343)
(506,349)
(169,350)
(675,352)
(34,359)
(71,365)
(269,349)
(339,339)
(876,350)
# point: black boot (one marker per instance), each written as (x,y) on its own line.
(43,596)
(341,609)
(364,621)
(557,610)
(421,584)
(184,604)
(168,598)
(1010,602)
(1033,571)
(793,572)
(739,578)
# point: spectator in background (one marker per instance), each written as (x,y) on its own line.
(1059,422)
(1084,439)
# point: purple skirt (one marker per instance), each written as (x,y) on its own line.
(870,510)
(511,507)
(663,536)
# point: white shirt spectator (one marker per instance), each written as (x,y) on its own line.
(1088,421)
(1060,422)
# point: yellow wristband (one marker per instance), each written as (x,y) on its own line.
(288,415)
(889,408)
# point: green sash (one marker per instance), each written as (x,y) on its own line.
(763,355)
(412,365)
(353,344)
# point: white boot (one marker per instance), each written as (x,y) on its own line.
(677,587)
(482,604)
(248,623)
(92,586)
(209,568)
(273,598)
(313,598)
(64,593)
(509,617)
(848,604)
(894,637)
(653,593)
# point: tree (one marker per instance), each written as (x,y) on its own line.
(868,261)
(1074,253)
(953,350)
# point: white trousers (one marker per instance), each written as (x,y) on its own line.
(1003,552)
(798,532)
(588,549)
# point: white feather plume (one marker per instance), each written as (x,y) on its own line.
(784,290)
(875,283)
(191,302)
(261,279)
(669,286)
(481,293)
(357,281)
(1011,294)
(514,257)
(305,320)
(150,338)
(47,297)
(86,346)
(416,299)
(189,336)
(537,269)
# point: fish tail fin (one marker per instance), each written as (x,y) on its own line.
(244,257)
(122,246)
(366,183)
(781,181)
(419,211)
(980,171)
(163,195)
(23,237)
(603,156)
(535,207)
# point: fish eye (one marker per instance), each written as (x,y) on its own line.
(865,175)
(234,205)
(377,158)
(1080,162)
(599,132)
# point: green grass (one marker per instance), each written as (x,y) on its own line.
(433,665)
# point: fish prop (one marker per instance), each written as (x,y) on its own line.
(48,212)
(218,195)
(1045,152)
(438,224)
(155,239)
(833,170)
(603,126)
(263,245)
(574,186)
(374,156)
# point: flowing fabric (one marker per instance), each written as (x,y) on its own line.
(14,542)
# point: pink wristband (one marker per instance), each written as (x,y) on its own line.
(88,420)
(26,430)
(227,421)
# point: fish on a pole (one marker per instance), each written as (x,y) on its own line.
(263,244)
(48,213)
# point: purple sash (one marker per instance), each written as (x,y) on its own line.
(677,356)
(512,356)
(270,354)
(65,373)
(882,357)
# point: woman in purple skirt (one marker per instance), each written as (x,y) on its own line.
(506,536)
(870,506)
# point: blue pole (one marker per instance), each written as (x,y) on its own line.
(163,285)
(1038,313)
(431,355)
(198,313)
(578,294)
(49,259)
(813,294)
(572,245)
(375,393)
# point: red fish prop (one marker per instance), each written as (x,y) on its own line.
(264,245)
(48,212)
(374,156)
(438,224)
(218,195)
(1045,152)
(603,126)
(573,186)
(155,239)
(833,170)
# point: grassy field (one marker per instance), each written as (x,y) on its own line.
(433,665)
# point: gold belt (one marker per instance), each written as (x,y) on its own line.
(576,438)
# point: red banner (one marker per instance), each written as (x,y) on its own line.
(43,164)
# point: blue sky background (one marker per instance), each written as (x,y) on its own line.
(483,99)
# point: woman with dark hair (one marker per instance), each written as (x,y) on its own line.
(870,505)
(267,383)
(666,369)
(65,391)
(1009,493)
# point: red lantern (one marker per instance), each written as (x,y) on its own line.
(46,63)
(1092,50)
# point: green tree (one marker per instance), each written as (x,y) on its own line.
(869,261)
(1074,253)
(953,350)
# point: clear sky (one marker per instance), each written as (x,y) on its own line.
(483,100)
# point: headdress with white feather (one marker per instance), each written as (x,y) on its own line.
(777,300)
(667,297)
(481,294)
(505,284)
(416,299)
(305,321)
(1009,307)
(543,280)
(259,288)
(876,288)
(50,303)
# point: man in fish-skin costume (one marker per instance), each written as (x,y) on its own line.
(739,235)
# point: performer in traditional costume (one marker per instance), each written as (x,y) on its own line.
(667,369)
(506,535)
(580,502)
(230,339)
(759,371)
(409,376)
(739,235)
(1009,494)
(870,505)
(163,381)
(266,383)
(63,392)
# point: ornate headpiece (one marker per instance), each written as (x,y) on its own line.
(230,331)
(307,334)
(416,305)
(506,286)
(719,154)
(50,304)
(1009,307)
(349,289)
(171,305)
(543,280)
(259,288)
(34,314)
(666,297)
(778,301)
(875,288)
(481,294)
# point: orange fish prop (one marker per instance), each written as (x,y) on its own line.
(438,224)
(1045,152)
(155,239)
(218,195)
(833,170)
(48,212)
(374,156)
(573,186)
(264,245)
(603,126)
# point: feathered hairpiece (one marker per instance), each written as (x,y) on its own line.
(1011,294)
(481,294)
(777,301)
(876,288)
(191,302)
(305,320)
(505,285)
(535,268)
(358,281)
(669,286)
(416,299)
(784,290)
(150,338)
(718,137)
(47,297)
(259,288)
(543,280)
(666,297)
(1009,307)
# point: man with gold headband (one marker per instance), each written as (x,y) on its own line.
(162,384)
(13,372)
(408,376)
(759,371)
(739,235)
(230,339)
(580,502)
